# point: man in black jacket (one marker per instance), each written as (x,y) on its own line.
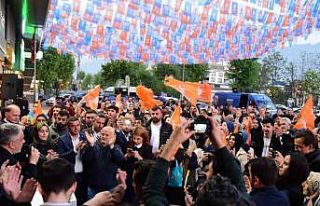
(11,142)
(68,147)
(263,145)
(101,160)
(307,144)
(159,130)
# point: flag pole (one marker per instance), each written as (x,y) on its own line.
(35,66)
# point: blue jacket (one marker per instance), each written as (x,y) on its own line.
(269,196)
(100,166)
(65,147)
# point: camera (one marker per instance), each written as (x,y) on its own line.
(201,125)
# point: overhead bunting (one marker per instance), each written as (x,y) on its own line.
(178,31)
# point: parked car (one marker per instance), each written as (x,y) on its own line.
(51,101)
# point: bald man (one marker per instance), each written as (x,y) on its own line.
(101,160)
(11,114)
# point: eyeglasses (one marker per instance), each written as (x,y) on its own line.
(229,139)
(41,120)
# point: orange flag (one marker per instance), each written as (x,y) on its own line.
(205,93)
(175,117)
(92,98)
(146,97)
(187,89)
(306,119)
(37,108)
(191,90)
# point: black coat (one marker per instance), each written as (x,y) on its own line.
(28,171)
(257,144)
(100,166)
(314,160)
(65,148)
(165,131)
(293,191)
(268,196)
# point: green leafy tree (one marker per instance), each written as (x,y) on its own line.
(97,79)
(82,74)
(244,74)
(55,66)
(311,83)
(88,82)
(118,69)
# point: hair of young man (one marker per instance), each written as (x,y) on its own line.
(90,111)
(115,108)
(141,169)
(308,137)
(265,169)
(57,176)
(268,120)
(64,113)
(219,191)
(72,119)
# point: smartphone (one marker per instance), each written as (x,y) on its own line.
(129,150)
(200,128)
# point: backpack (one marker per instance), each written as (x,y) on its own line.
(176,176)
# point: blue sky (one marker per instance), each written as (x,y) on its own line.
(293,53)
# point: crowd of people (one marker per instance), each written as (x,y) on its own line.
(128,155)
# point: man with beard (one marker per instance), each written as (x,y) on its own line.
(159,130)
(89,119)
(263,145)
(112,114)
(97,126)
(59,127)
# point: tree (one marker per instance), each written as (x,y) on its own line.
(118,69)
(274,67)
(153,78)
(81,76)
(244,74)
(88,82)
(54,66)
(311,83)
(97,78)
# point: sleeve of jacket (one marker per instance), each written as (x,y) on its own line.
(64,152)
(155,183)
(117,155)
(30,170)
(88,153)
(227,166)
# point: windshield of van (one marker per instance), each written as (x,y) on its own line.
(265,102)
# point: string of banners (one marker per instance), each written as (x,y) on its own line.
(178,31)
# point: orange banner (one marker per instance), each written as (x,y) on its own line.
(175,117)
(147,100)
(191,90)
(92,98)
(306,119)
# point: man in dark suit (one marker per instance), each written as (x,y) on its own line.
(286,140)
(68,147)
(124,134)
(264,145)
(11,142)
